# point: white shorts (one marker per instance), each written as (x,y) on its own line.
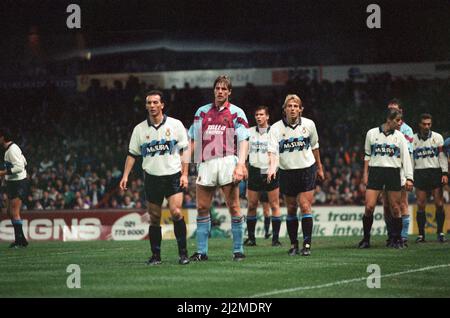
(217,171)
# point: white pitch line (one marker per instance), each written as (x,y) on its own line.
(347,281)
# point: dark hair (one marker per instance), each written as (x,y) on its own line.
(425,116)
(223,79)
(392,113)
(156,92)
(6,133)
(262,107)
(396,101)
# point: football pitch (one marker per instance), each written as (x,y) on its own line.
(335,269)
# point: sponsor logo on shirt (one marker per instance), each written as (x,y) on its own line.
(426,152)
(385,150)
(158,148)
(294,144)
(215,130)
(258,146)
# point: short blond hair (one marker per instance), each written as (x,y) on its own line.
(292,97)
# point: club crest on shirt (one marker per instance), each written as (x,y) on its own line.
(304,130)
(147,137)
(433,141)
(168,132)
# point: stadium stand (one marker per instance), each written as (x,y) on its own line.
(78,166)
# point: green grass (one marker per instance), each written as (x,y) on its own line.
(117,269)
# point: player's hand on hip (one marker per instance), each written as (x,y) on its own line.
(184,181)
(123,184)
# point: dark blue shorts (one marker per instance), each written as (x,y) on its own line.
(295,181)
(381,178)
(159,187)
(428,179)
(17,189)
(257,181)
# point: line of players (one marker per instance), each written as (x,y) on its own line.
(395,160)
(282,158)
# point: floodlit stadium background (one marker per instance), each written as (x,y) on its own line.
(72,96)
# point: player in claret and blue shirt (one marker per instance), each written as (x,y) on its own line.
(220,141)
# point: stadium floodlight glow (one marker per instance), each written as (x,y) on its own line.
(180,46)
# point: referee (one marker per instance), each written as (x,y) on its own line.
(16,184)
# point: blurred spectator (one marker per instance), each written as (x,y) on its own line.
(320,196)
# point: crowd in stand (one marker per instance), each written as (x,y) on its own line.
(76,145)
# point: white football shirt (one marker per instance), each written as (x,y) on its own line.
(258,156)
(388,150)
(159,145)
(294,144)
(15,163)
(428,152)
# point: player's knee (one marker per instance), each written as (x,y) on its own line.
(155,214)
(404,209)
(155,221)
(252,205)
(233,208)
(305,207)
(369,209)
(274,205)
(421,203)
(396,209)
(251,211)
(176,214)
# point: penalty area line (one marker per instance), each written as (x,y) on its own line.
(342,282)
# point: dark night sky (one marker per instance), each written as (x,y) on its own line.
(407,26)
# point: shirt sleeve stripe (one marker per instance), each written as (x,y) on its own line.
(242,122)
(410,139)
